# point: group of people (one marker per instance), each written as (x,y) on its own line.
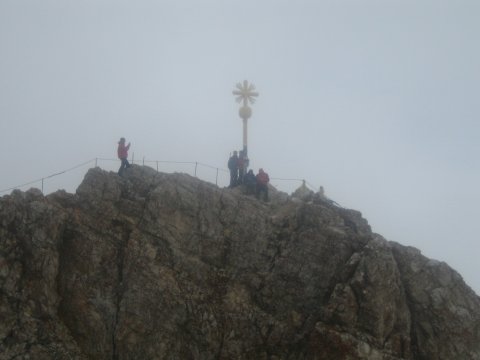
(254,184)
(237,164)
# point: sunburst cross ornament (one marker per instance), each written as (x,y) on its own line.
(245,94)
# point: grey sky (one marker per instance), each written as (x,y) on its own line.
(375,100)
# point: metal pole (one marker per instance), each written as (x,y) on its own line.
(196,164)
(133,155)
(42,185)
(157,165)
(216,178)
(96,162)
(143,161)
(245,151)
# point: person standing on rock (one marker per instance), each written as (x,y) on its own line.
(242,166)
(262,184)
(250,182)
(233,167)
(123,155)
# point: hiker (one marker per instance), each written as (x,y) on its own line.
(250,182)
(233,167)
(262,184)
(123,155)
(321,197)
(242,166)
(321,192)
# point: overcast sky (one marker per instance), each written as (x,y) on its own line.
(378,101)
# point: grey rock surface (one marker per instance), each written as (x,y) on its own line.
(166,266)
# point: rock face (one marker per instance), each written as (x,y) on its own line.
(165,266)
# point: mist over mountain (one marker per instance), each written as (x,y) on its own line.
(166,266)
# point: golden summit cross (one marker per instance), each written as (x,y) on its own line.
(245,93)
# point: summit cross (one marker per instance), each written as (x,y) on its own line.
(245,93)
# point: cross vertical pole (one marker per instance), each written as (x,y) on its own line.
(245,94)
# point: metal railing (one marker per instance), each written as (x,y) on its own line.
(219,175)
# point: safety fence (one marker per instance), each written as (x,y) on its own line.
(217,175)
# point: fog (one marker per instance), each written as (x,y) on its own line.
(377,101)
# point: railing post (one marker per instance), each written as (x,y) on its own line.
(42,185)
(133,156)
(196,164)
(157,165)
(96,162)
(216,178)
(143,161)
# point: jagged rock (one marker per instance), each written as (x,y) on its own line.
(165,266)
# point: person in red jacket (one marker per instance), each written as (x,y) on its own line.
(123,155)
(262,184)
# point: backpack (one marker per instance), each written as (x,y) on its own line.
(263,178)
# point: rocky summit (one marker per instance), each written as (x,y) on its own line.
(166,266)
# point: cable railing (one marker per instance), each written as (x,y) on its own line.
(220,176)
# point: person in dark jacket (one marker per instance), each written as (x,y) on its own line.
(262,184)
(122,152)
(242,166)
(250,182)
(233,167)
